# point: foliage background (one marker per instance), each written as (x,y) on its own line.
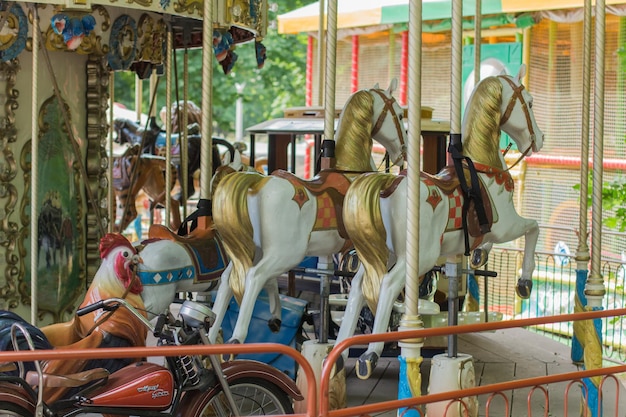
(278,85)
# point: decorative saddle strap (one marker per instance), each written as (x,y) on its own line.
(471,191)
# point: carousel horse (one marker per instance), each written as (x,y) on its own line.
(114,279)
(375,207)
(268,224)
(152,139)
(184,262)
(149,176)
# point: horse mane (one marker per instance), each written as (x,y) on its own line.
(353,147)
(112,240)
(362,206)
(194,114)
(481,130)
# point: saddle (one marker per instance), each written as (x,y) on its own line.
(329,187)
(448,183)
(202,245)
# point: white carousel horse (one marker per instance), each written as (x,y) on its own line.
(268,224)
(171,264)
(375,207)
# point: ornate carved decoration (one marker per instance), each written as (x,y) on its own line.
(151,44)
(9,230)
(98,78)
(189,6)
(90,44)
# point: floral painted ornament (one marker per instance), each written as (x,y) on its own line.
(73,29)
(13,33)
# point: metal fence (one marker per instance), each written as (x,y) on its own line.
(554,289)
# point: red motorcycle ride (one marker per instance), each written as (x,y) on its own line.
(184,387)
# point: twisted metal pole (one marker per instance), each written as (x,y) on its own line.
(110,193)
(34,172)
(168,126)
(183,136)
(409,384)
(455,135)
(206,155)
(331,63)
(594,289)
(582,252)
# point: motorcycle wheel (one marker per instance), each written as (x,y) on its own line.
(254,397)
(11,410)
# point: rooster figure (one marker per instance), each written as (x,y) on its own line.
(114,278)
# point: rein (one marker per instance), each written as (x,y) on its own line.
(517,95)
(388,103)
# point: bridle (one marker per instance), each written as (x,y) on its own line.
(517,95)
(388,103)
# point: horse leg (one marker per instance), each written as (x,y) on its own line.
(479,256)
(273,294)
(351,314)
(222,299)
(268,268)
(391,285)
(525,282)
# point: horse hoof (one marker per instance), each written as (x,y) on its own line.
(227,357)
(478,258)
(524,288)
(274,325)
(337,367)
(366,364)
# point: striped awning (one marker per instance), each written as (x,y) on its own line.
(366,13)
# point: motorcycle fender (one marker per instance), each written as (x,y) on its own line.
(236,370)
(15,394)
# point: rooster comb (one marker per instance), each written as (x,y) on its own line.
(113,240)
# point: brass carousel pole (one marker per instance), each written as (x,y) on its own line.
(452,370)
(410,378)
(206,155)
(34,179)
(168,126)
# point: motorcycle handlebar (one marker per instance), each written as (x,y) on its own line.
(114,303)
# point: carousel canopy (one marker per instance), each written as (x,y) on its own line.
(381,13)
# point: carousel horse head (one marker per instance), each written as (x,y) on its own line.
(194,115)
(500,103)
(370,113)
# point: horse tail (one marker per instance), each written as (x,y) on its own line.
(364,225)
(232,220)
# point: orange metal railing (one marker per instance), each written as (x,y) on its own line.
(457,395)
(135,352)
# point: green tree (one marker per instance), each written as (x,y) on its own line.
(269,90)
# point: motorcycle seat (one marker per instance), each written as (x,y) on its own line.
(67,381)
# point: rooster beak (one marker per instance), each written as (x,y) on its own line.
(136,259)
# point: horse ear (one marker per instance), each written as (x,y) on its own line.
(376,86)
(521,73)
(392,85)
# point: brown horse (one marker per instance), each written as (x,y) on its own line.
(133,172)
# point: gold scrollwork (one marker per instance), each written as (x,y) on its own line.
(144,3)
(9,230)
(151,36)
(189,6)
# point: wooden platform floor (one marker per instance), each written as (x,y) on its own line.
(504,355)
